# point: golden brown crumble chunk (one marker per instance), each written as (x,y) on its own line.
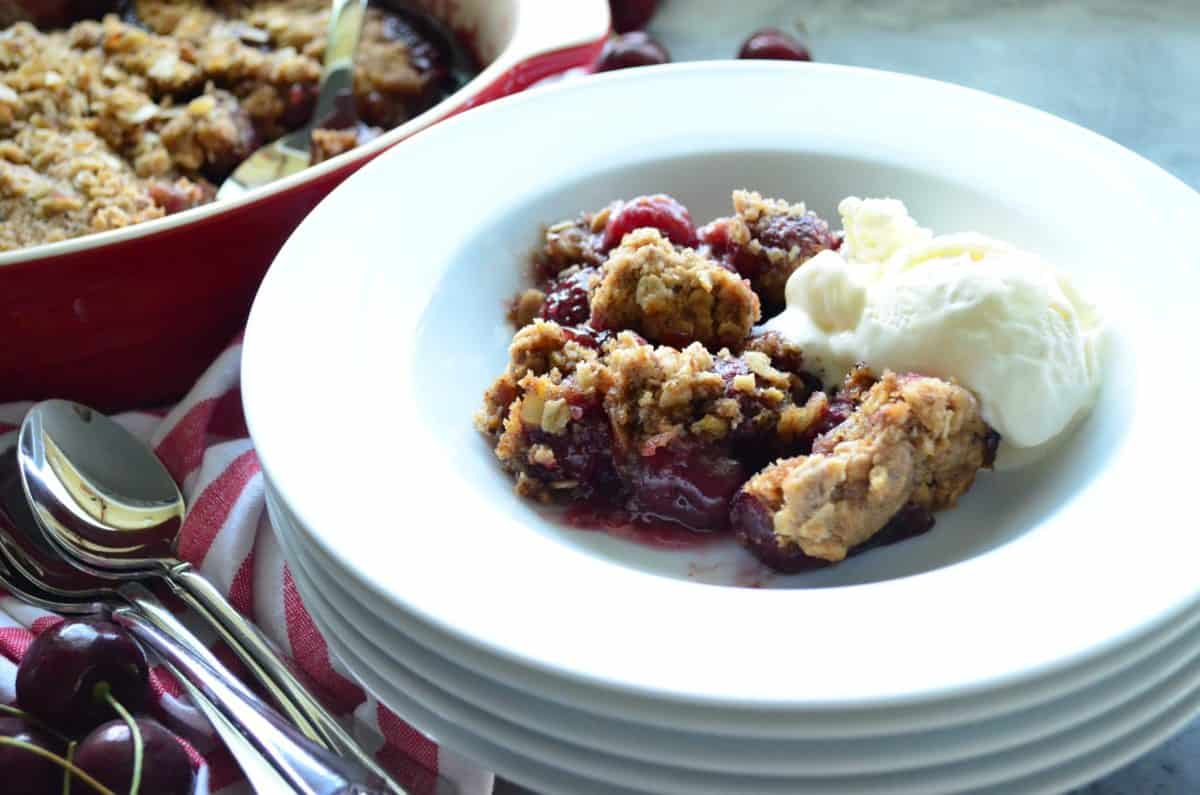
(672,296)
(912,440)
(766,240)
(156,114)
(566,401)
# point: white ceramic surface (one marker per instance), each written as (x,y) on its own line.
(1017,582)
(419,701)
(944,717)
(727,754)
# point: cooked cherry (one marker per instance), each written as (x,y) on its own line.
(689,485)
(631,49)
(715,235)
(107,754)
(63,675)
(584,451)
(754,528)
(568,298)
(630,15)
(910,521)
(26,772)
(991,445)
(774,44)
(808,233)
(661,212)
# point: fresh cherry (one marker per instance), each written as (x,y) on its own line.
(107,755)
(660,212)
(774,44)
(65,673)
(568,299)
(684,484)
(631,49)
(26,772)
(630,15)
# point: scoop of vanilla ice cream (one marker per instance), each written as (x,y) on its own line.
(999,320)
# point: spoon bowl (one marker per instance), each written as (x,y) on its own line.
(104,497)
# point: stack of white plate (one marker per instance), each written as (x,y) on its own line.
(1046,631)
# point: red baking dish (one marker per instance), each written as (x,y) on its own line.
(130,317)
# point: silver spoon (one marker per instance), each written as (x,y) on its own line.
(105,502)
(27,572)
(293,152)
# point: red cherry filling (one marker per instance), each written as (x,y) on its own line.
(660,212)
(568,300)
(689,485)
(774,44)
(630,50)
(583,452)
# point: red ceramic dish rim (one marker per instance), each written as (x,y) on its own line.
(540,45)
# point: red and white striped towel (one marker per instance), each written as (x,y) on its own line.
(204,443)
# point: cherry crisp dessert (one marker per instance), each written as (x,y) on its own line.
(112,121)
(638,386)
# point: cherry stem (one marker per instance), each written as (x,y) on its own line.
(67,773)
(105,692)
(20,713)
(70,767)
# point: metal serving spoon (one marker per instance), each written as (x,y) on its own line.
(292,152)
(335,91)
(105,503)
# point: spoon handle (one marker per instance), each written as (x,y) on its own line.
(257,769)
(308,768)
(248,642)
(341,42)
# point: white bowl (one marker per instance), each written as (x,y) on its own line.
(1036,571)
(423,674)
(543,760)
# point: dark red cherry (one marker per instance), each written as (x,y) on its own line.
(754,528)
(686,485)
(584,452)
(630,15)
(568,298)
(107,755)
(63,675)
(774,44)
(25,772)
(660,212)
(631,49)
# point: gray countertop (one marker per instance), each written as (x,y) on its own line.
(1130,71)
